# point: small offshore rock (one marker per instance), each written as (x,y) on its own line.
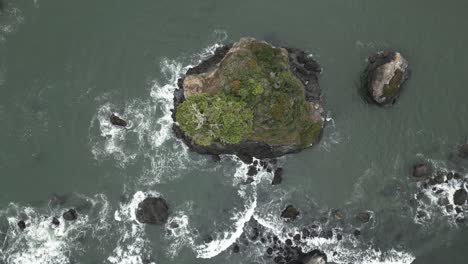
(216,158)
(290,212)
(386,73)
(357,232)
(22,225)
(55,221)
(420,171)
(460,197)
(152,210)
(278,176)
(70,215)
(235,248)
(252,171)
(338,214)
(463,151)
(117,121)
(363,216)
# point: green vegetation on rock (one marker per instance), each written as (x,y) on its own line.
(392,88)
(256,97)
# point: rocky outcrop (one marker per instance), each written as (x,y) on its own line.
(21,225)
(386,73)
(290,212)
(313,257)
(117,121)
(460,196)
(420,171)
(277,177)
(269,98)
(152,210)
(70,215)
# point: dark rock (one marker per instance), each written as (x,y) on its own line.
(327,234)
(312,257)
(449,208)
(457,176)
(290,212)
(460,220)
(55,221)
(440,178)
(463,151)
(117,121)
(386,73)
(421,214)
(248,181)
(269,251)
(152,210)
(278,177)
(263,164)
(216,158)
(235,248)
(458,210)
(22,225)
(288,242)
(207,239)
(363,216)
(174,225)
(305,233)
(443,201)
(255,163)
(252,171)
(357,232)
(297,237)
(245,158)
(339,237)
(70,215)
(449,176)
(420,171)
(460,196)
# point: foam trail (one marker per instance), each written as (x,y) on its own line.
(215,247)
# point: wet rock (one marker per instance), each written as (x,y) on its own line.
(338,214)
(288,242)
(252,171)
(235,248)
(463,151)
(363,216)
(152,210)
(449,208)
(449,176)
(269,251)
(216,158)
(117,121)
(420,171)
(207,239)
(327,234)
(246,159)
(313,257)
(386,73)
(460,196)
(421,214)
(70,215)
(263,164)
(297,237)
(249,181)
(357,232)
(439,178)
(55,221)
(290,212)
(278,176)
(174,225)
(305,233)
(460,220)
(458,210)
(339,237)
(22,225)
(443,201)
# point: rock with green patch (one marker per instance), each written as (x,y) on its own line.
(252,99)
(386,73)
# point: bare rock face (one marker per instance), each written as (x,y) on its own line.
(386,73)
(290,212)
(70,215)
(152,210)
(117,121)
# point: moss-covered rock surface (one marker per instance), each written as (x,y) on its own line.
(252,99)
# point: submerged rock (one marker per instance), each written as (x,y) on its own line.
(463,151)
(22,225)
(250,99)
(278,176)
(290,212)
(386,73)
(117,121)
(152,210)
(70,215)
(420,171)
(235,248)
(363,216)
(460,196)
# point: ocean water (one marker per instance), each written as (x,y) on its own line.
(65,66)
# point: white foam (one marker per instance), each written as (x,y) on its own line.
(215,247)
(40,242)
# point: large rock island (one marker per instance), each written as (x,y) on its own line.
(250,99)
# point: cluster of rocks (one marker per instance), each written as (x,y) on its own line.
(268,165)
(152,210)
(438,183)
(69,215)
